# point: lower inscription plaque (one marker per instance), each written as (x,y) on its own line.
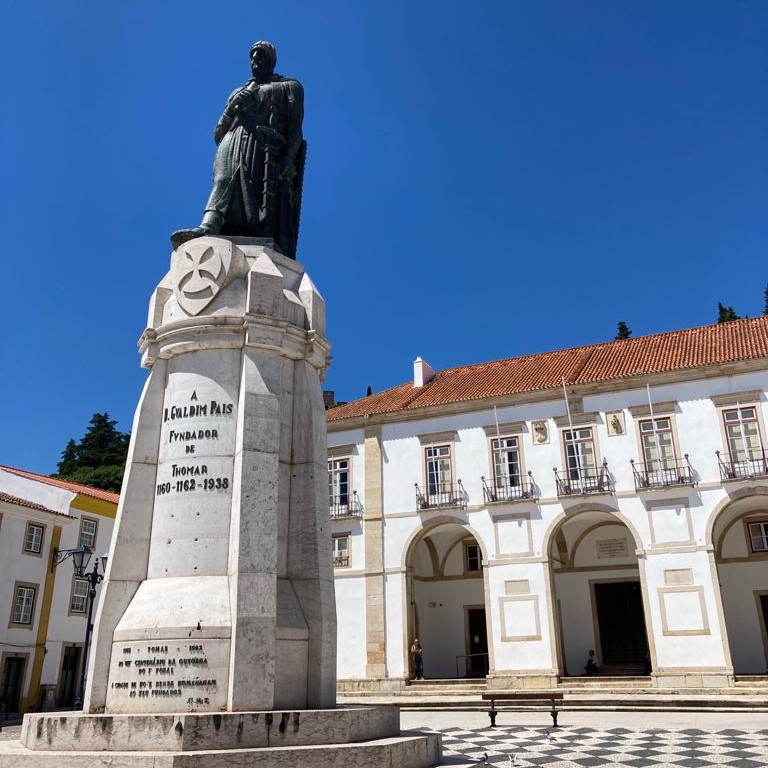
(168,675)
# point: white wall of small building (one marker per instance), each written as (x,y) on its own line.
(15,565)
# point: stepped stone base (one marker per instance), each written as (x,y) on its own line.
(359,736)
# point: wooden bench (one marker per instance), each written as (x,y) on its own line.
(551,696)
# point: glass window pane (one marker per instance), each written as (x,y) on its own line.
(87,533)
(22,609)
(79,601)
(34,539)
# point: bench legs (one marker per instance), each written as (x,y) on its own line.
(492,712)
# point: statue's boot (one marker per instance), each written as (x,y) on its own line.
(210,225)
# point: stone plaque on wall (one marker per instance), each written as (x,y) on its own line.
(609,548)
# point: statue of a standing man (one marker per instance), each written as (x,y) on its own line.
(257,173)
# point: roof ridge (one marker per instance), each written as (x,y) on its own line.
(18,501)
(86,490)
(607,342)
(683,349)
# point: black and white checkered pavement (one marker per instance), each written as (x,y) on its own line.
(587,747)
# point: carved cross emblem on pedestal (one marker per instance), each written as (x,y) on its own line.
(199,271)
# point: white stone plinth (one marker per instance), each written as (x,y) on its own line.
(352,736)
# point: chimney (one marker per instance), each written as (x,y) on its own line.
(422,372)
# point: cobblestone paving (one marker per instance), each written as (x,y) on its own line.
(587,747)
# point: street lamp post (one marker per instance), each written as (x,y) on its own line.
(80,557)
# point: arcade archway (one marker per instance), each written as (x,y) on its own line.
(446,602)
(598,596)
(740,540)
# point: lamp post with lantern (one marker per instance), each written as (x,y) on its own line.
(80,558)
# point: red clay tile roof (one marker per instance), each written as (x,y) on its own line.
(662,352)
(86,490)
(29,504)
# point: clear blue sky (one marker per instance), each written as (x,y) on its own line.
(484,179)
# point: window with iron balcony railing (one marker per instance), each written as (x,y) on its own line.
(579,481)
(440,495)
(745,465)
(343,506)
(509,488)
(662,474)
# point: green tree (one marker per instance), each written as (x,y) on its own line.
(725,314)
(623,331)
(98,459)
(765,301)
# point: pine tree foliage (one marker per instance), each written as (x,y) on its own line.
(98,459)
(725,314)
(623,331)
(765,300)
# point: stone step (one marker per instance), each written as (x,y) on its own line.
(751,681)
(418,751)
(449,681)
(602,682)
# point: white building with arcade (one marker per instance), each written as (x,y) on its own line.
(516,514)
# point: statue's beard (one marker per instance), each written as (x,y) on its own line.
(262,75)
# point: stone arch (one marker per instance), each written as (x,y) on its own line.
(752,491)
(581,508)
(421,530)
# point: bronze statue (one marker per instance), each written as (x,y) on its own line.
(257,173)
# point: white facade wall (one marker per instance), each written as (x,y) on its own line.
(667,531)
(63,628)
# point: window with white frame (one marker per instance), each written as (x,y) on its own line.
(743,434)
(78,602)
(338,486)
(506,462)
(473,557)
(439,470)
(88,528)
(341,550)
(579,452)
(23,604)
(33,539)
(758,536)
(657,443)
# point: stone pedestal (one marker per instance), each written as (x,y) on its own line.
(219,591)
(218,603)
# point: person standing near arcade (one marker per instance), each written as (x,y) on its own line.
(418,660)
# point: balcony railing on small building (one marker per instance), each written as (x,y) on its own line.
(440,496)
(345,506)
(747,468)
(580,481)
(662,474)
(509,489)
(341,561)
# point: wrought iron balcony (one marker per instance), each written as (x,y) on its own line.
(341,561)
(509,489)
(743,469)
(440,496)
(662,474)
(580,481)
(344,506)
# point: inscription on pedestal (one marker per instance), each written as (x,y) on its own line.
(156,676)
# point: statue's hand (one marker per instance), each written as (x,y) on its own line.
(240,101)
